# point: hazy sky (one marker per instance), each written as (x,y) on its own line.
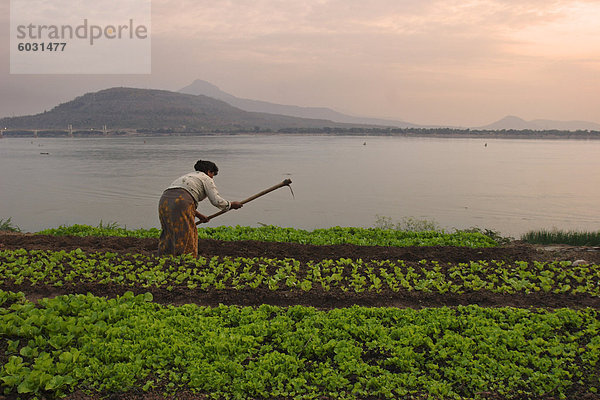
(450,62)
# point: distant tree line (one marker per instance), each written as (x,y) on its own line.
(57,133)
(358,131)
(450,132)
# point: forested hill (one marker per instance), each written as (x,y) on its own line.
(123,108)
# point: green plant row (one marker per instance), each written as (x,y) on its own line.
(74,342)
(574,238)
(336,235)
(111,229)
(348,275)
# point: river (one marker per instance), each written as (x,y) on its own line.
(508,185)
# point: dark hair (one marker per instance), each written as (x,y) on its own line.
(206,166)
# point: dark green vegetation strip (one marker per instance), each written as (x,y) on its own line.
(574,238)
(76,341)
(337,235)
(60,268)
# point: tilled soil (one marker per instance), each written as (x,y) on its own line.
(516,251)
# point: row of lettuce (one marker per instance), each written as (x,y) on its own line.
(60,268)
(572,237)
(59,345)
(270,233)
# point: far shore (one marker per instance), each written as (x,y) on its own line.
(393,132)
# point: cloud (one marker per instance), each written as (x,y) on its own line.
(426,60)
(69,12)
(410,32)
(421,59)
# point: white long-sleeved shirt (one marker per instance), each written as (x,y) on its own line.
(201,186)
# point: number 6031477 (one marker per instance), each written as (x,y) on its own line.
(43,46)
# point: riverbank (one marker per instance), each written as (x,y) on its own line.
(397,132)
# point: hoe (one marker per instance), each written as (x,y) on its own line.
(286,182)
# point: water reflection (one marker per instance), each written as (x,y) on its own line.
(509,185)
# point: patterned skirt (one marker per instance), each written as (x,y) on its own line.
(179,235)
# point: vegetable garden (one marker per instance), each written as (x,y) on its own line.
(281,313)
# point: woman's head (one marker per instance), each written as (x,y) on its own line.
(206,167)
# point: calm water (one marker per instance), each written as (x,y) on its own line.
(509,185)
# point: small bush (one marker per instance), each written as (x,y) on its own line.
(407,224)
(7,225)
(492,234)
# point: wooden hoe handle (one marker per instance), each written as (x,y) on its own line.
(286,182)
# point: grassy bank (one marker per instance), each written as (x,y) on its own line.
(573,238)
(328,236)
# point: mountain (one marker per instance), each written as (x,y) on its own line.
(516,123)
(167,111)
(120,108)
(200,87)
(509,122)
